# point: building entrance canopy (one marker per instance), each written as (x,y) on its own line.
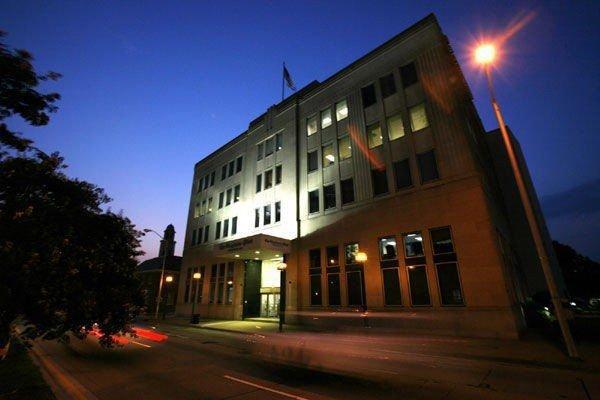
(260,247)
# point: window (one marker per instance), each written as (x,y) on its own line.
(229,283)
(408,73)
(341,110)
(209,204)
(257,217)
(199,238)
(197,210)
(328,155)
(314,259)
(203,208)
(387,85)
(315,290)
(391,287)
(239,163)
(231,167)
(329,197)
(236,193)
(347,189)
(333,288)
(418,117)
(344,148)
(277,211)
(224,172)
(326,119)
(200,183)
(221,283)
(419,288)
(267,214)
(269,143)
(258,183)
(212,178)
(374,135)
(218,230)
(206,182)
(278,141)
(368,95)
(228,200)
(311,125)
(225,228)
(355,288)
(441,240)
(213,283)
(350,251)
(221,199)
(449,281)
(206,229)
(278,173)
(387,248)
(333,256)
(313,201)
(402,176)
(259,151)
(194,232)
(268,179)
(413,244)
(379,178)
(427,166)
(312,161)
(188,280)
(395,127)
(233,226)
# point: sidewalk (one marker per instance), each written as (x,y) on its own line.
(532,350)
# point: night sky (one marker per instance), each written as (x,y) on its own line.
(150,88)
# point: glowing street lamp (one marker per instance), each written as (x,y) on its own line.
(485,54)
(169,279)
(361,257)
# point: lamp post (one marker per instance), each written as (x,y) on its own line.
(196,277)
(361,257)
(168,279)
(162,274)
(281,267)
(485,55)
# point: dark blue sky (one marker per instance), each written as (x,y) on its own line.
(149,88)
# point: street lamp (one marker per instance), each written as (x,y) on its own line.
(168,279)
(196,277)
(485,54)
(162,274)
(281,267)
(361,257)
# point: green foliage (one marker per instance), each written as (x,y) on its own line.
(582,274)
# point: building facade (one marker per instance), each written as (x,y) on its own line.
(386,157)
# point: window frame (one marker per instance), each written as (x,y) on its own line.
(369,129)
(323,113)
(308,161)
(337,112)
(317,202)
(309,122)
(323,155)
(339,143)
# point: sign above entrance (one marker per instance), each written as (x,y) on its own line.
(259,246)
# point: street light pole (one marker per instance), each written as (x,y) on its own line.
(281,267)
(162,275)
(196,277)
(531,219)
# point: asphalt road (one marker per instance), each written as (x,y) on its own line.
(203,364)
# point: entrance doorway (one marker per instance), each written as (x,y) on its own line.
(252,300)
(261,288)
(269,305)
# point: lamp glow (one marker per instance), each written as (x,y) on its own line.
(361,256)
(485,53)
(197,275)
(169,279)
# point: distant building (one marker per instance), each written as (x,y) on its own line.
(387,157)
(150,270)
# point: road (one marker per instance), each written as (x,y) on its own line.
(204,364)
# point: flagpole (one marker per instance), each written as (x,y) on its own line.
(282,80)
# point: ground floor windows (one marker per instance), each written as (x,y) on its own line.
(229,284)
(315,290)
(213,283)
(419,288)
(269,305)
(333,289)
(220,283)
(450,292)
(354,279)
(391,287)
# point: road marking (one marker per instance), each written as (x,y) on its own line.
(293,396)
(139,344)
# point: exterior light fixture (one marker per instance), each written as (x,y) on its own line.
(168,279)
(230,283)
(281,266)
(257,252)
(485,53)
(197,275)
(361,256)
(237,256)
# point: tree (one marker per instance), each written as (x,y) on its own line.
(582,274)
(65,264)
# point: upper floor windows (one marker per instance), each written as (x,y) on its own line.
(258,183)
(206,181)
(418,117)
(427,166)
(329,201)
(347,190)
(259,151)
(313,201)
(269,146)
(328,155)
(341,110)
(374,135)
(344,148)
(326,119)
(387,85)
(413,244)
(311,125)
(379,178)
(368,95)
(312,161)
(402,176)
(395,127)
(268,179)
(224,172)
(409,76)
(278,141)
(227,197)
(239,162)
(231,168)
(271,213)
(278,174)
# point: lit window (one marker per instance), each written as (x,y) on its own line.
(278,174)
(328,155)
(418,117)
(236,193)
(197,210)
(313,201)
(268,179)
(311,125)
(326,118)
(269,143)
(267,214)
(374,135)
(395,127)
(341,110)
(387,248)
(209,204)
(312,161)
(344,148)
(350,251)
(413,244)
(329,197)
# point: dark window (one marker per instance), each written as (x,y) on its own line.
(221,283)
(213,283)
(347,189)
(413,244)
(427,166)
(388,85)
(228,197)
(206,229)
(206,182)
(387,248)
(229,283)
(333,256)
(233,226)
(278,211)
(402,174)
(441,240)
(314,259)
(200,184)
(313,201)
(315,290)
(419,289)
(278,172)
(256,217)
(258,183)
(368,95)
(231,167)
(408,73)
(329,196)
(391,287)
(194,232)
(379,178)
(218,230)
(226,228)
(236,193)
(212,178)
(239,164)
(268,179)
(199,238)
(224,172)
(350,251)
(333,286)
(269,146)
(355,288)
(278,142)
(450,292)
(221,199)
(312,161)
(267,215)
(259,151)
